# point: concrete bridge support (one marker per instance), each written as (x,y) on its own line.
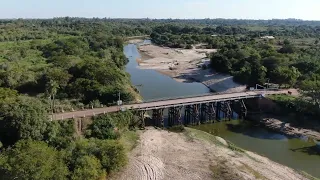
(208,113)
(141,115)
(192,114)
(243,110)
(226,109)
(174,116)
(158,118)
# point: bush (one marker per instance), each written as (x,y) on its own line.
(103,127)
(60,133)
(110,153)
(88,167)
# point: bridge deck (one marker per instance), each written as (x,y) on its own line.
(165,104)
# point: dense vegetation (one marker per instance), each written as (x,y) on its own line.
(291,59)
(56,65)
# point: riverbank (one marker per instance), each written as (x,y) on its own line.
(194,154)
(186,65)
(279,124)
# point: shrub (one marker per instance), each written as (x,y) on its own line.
(88,167)
(102,128)
(110,153)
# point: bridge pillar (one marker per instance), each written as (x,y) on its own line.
(174,116)
(195,114)
(212,112)
(141,115)
(157,116)
(205,113)
(226,109)
(187,115)
(243,110)
(218,114)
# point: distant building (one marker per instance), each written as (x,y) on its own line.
(267,37)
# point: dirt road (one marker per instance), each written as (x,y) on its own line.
(197,155)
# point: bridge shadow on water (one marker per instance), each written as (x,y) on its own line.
(255,131)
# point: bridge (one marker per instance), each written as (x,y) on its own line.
(196,109)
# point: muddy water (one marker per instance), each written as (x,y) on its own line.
(299,154)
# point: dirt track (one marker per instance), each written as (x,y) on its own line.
(166,155)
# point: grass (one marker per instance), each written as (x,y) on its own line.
(201,135)
(281,98)
(177,129)
(308,176)
(256,174)
(129,139)
(235,148)
(221,171)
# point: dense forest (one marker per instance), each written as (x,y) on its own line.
(61,64)
(287,57)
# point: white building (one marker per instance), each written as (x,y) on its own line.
(267,37)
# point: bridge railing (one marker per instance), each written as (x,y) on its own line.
(198,95)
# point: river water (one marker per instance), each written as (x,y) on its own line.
(299,154)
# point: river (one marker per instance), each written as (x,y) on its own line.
(299,154)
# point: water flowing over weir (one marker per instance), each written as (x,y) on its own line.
(296,153)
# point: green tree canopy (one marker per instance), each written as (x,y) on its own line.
(32,160)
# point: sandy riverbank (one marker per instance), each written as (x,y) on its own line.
(184,65)
(286,128)
(197,155)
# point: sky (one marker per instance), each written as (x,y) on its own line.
(181,9)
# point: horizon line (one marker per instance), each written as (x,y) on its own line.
(146,18)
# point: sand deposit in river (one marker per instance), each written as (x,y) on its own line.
(185,65)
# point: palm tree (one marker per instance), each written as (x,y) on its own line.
(52,88)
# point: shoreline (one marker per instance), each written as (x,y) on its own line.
(286,128)
(185,65)
(278,124)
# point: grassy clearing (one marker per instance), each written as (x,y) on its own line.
(256,174)
(129,139)
(177,129)
(221,171)
(282,98)
(200,135)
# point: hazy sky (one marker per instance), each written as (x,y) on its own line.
(240,9)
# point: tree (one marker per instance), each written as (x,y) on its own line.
(110,153)
(52,89)
(103,128)
(26,118)
(311,88)
(285,75)
(32,160)
(87,167)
